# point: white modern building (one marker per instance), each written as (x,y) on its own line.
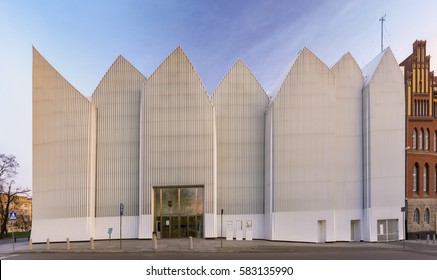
(320,160)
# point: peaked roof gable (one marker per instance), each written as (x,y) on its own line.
(44,75)
(349,60)
(239,69)
(304,58)
(371,68)
(116,72)
(177,62)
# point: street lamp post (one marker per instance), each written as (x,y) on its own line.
(170,204)
(404,209)
(403,226)
(121,215)
(221,230)
(403,223)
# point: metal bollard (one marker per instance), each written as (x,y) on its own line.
(93,247)
(427,238)
(433,239)
(68,244)
(155,243)
(48,244)
(190,244)
(30,244)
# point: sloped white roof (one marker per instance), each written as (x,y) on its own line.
(371,67)
(280,81)
(278,86)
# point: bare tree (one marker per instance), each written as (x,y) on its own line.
(8,192)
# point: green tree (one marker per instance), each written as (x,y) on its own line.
(8,192)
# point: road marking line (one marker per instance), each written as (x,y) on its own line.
(10,256)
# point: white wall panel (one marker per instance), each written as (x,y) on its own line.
(323,150)
(211,224)
(258,224)
(58,230)
(117,99)
(268,169)
(63,150)
(129,225)
(304,140)
(145,226)
(348,199)
(177,133)
(240,103)
(384,147)
(301,226)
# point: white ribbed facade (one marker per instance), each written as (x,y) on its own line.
(304,149)
(240,104)
(117,98)
(383,146)
(348,201)
(177,130)
(321,161)
(64,141)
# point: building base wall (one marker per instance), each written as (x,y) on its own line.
(256,220)
(348,225)
(315,227)
(210,227)
(310,226)
(58,230)
(373,219)
(145,227)
(129,227)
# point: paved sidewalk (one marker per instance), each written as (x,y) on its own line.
(204,245)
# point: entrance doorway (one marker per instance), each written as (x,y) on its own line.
(321,231)
(355,230)
(387,230)
(178,211)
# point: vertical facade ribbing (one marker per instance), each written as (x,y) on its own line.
(304,143)
(177,133)
(117,99)
(161,132)
(240,103)
(268,169)
(384,144)
(349,156)
(63,149)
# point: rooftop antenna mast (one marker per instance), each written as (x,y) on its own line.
(382,19)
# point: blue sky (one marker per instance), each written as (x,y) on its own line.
(81,39)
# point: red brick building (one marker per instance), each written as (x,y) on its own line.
(421,141)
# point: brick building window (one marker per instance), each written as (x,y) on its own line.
(416,216)
(426,108)
(421,139)
(415,108)
(425,178)
(415,177)
(427,139)
(426,216)
(423,108)
(435,178)
(435,141)
(415,139)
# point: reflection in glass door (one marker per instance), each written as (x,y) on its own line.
(178,212)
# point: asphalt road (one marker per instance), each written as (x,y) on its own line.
(223,256)
(267,251)
(307,260)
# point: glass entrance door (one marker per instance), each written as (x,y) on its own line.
(178,212)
